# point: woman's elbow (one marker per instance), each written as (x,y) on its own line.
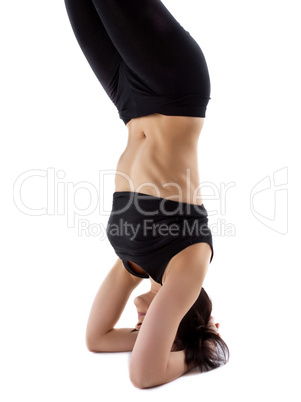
(144,378)
(90,345)
(94,344)
(140,381)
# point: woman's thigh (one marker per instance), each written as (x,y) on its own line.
(155,46)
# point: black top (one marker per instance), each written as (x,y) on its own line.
(149,230)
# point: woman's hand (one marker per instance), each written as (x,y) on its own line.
(213,326)
(143,302)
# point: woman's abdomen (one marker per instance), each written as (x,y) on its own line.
(161,165)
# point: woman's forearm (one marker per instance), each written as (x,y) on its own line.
(116,340)
(175,368)
(107,308)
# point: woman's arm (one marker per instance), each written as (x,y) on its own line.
(106,310)
(152,362)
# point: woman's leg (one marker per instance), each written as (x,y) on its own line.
(95,43)
(155,46)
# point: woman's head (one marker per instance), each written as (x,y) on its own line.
(197,335)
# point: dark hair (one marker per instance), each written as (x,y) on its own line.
(204,348)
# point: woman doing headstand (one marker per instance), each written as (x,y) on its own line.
(156,75)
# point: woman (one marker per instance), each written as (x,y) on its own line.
(156,75)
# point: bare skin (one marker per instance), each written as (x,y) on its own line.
(161,158)
(142,303)
(160,149)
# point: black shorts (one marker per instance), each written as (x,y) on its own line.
(144,59)
(149,230)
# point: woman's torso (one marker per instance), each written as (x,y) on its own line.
(161,158)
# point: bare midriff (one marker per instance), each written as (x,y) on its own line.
(161,158)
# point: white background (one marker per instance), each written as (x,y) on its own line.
(55,116)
